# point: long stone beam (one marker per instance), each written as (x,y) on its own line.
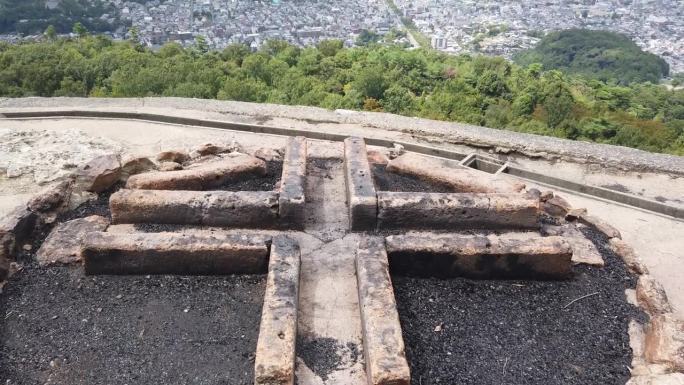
(275,353)
(174,253)
(203,177)
(383,344)
(246,209)
(479,256)
(361,195)
(450,173)
(408,210)
(292,185)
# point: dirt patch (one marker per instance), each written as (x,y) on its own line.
(389,181)
(520,332)
(326,355)
(268,182)
(61,327)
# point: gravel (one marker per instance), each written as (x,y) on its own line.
(520,332)
(326,355)
(268,182)
(389,181)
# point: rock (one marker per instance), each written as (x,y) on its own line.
(665,341)
(63,245)
(4,267)
(54,198)
(78,198)
(600,225)
(583,250)
(170,166)
(177,156)
(658,379)
(396,151)
(574,214)
(268,154)
(534,193)
(556,207)
(15,227)
(136,165)
(209,149)
(626,252)
(234,146)
(546,195)
(14,171)
(651,296)
(100,173)
(377,157)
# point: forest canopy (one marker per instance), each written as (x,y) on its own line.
(602,55)
(472,89)
(33,17)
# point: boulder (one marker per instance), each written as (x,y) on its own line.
(54,198)
(556,207)
(63,245)
(628,255)
(600,225)
(15,227)
(177,156)
(651,296)
(100,173)
(268,154)
(136,165)
(209,149)
(665,341)
(546,195)
(377,157)
(583,250)
(170,166)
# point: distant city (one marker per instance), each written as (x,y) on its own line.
(496,27)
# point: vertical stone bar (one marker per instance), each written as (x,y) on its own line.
(291,200)
(361,196)
(275,354)
(383,344)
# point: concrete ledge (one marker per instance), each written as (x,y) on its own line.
(479,256)
(409,210)
(361,195)
(248,209)
(383,344)
(450,173)
(275,354)
(202,177)
(173,253)
(292,197)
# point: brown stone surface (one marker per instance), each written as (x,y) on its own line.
(377,157)
(628,255)
(383,344)
(408,210)
(203,177)
(658,379)
(136,165)
(248,209)
(600,225)
(170,166)
(450,173)
(361,195)
(556,207)
(100,173)
(583,250)
(63,245)
(665,341)
(174,253)
(651,296)
(479,256)
(268,154)
(292,198)
(176,156)
(53,198)
(209,149)
(275,353)
(15,227)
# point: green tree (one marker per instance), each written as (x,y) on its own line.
(79,29)
(50,32)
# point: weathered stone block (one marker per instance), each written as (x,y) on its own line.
(173,253)
(409,210)
(275,353)
(202,177)
(63,245)
(599,224)
(291,200)
(99,174)
(15,227)
(170,166)
(628,255)
(176,156)
(248,209)
(361,195)
(651,296)
(449,173)
(383,344)
(665,341)
(52,199)
(135,165)
(556,207)
(583,250)
(479,256)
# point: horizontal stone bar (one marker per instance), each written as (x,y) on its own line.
(383,344)
(275,353)
(409,210)
(361,195)
(292,197)
(478,256)
(202,177)
(173,253)
(450,173)
(248,209)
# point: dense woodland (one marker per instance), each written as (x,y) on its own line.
(473,89)
(601,55)
(29,17)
